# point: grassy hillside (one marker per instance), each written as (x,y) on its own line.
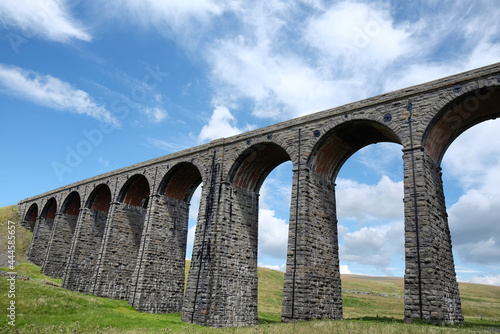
(23,236)
(47,308)
(377,301)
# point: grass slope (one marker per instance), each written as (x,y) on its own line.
(42,308)
(23,236)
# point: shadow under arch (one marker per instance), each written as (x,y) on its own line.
(255,163)
(71,205)
(82,264)
(457,116)
(135,192)
(99,199)
(338,144)
(160,274)
(31,216)
(62,236)
(42,232)
(180,182)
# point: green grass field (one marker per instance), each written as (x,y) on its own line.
(371,305)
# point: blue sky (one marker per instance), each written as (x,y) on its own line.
(154,77)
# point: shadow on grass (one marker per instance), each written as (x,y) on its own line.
(378,319)
(269,318)
(488,325)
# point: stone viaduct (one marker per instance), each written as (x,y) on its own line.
(123,234)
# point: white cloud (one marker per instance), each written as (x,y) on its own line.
(344,269)
(221,124)
(273,235)
(472,162)
(365,203)
(357,33)
(51,92)
(489,279)
(373,246)
(49,19)
(281,267)
(155,115)
(184,21)
(474,158)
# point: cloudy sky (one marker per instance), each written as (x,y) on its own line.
(155,77)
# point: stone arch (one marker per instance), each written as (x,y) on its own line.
(87,242)
(255,163)
(180,182)
(42,232)
(428,207)
(135,192)
(238,225)
(62,236)
(99,199)
(49,209)
(313,221)
(163,256)
(31,216)
(339,143)
(457,116)
(71,205)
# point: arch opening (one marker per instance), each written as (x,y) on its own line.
(181,182)
(369,196)
(135,192)
(336,146)
(471,182)
(458,116)
(99,199)
(71,206)
(360,204)
(255,163)
(50,209)
(31,216)
(259,170)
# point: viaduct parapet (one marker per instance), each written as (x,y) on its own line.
(123,234)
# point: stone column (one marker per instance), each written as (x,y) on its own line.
(222,284)
(40,240)
(160,270)
(431,289)
(119,252)
(82,265)
(312,287)
(59,245)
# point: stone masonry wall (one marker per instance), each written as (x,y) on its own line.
(81,270)
(161,264)
(119,253)
(434,292)
(197,299)
(59,245)
(312,287)
(40,242)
